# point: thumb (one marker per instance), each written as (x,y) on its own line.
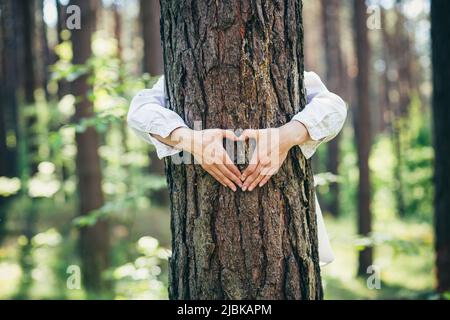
(228,134)
(248,134)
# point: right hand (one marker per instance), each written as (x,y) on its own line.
(207,148)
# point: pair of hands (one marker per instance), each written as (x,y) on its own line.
(270,151)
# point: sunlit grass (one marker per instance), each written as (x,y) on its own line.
(403,275)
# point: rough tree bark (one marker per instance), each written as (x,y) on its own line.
(362,130)
(94,241)
(440,24)
(239,64)
(335,81)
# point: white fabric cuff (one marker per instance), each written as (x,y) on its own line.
(317,136)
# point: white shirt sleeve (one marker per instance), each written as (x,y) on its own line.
(148,115)
(323,116)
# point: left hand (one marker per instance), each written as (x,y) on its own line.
(271,150)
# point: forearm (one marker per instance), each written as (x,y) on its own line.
(180,138)
(292,134)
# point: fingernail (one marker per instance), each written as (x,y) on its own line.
(244,188)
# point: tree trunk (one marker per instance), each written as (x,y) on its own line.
(313,42)
(239,64)
(440,24)
(61,24)
(63,86)
(43,50)
(153,59)
(363,130)
(118,31)
(392,53)
(29,75)
(335,81)
(9,124)
(313,47)
(3,160)
(403,59)
(4,150)
(28,24)
(154,65)
(94,241)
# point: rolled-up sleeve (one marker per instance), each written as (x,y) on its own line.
(323,116)
(148,115)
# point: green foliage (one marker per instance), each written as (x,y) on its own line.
(120,205)
(347,179)
(418,164)
(325,179)
(403,246)
(399,246)
(127,184)
(403,252)
(9,186)
(143,278)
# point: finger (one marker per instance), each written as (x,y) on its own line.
(268,171)
(230,175)
(256,182)
(234,170)
(248,134)
(211,171)
(265,180)
(225,180)
(231,166)
(228,134)
(251,167)
(248,171)
(215,177)
(251,178)
(224,158)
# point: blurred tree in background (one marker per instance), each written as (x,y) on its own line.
(94,239)
(363,132)
(440,25)
(337,81)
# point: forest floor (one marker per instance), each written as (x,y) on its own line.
(404,260)
(404,257)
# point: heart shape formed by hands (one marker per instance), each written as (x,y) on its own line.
(267,156)
(268,150)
